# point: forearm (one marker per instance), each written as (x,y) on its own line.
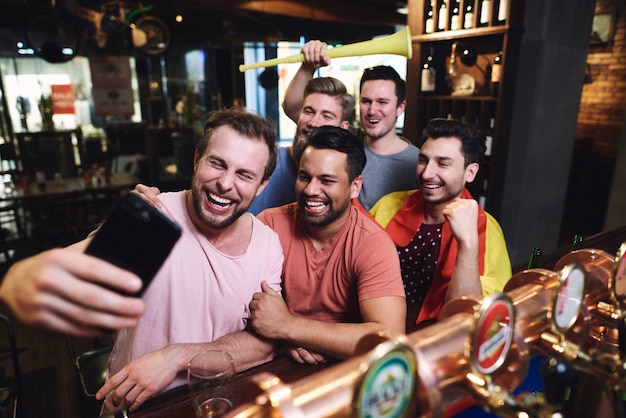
(465,279)
(246,348)
(292,102)
(337,340)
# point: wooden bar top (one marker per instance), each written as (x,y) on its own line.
(176,403)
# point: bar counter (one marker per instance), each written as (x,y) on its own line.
(177,404)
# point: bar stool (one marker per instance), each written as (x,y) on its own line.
(90,368)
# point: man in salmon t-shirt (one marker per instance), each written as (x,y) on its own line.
(341,277)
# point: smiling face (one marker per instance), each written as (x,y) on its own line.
(227,177)
(323,188)
(379,108)
(318,110)
(441,171)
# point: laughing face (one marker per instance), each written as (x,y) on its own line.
(323,188)
(317,110)
(379,108)
(441,171)
(227,177)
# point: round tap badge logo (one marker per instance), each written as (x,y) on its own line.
(569,297)
(493,334)
(388,386)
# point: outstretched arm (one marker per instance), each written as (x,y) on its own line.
(314,57)
(62,290)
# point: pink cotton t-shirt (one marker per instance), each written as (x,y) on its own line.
(360,262)
(199,294)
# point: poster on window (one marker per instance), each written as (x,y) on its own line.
(63,99)
(112,90)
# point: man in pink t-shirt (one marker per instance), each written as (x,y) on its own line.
(341,275)
(198,300)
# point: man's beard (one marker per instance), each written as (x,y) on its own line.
(450,195)
(329,217)
(299,144)
(198,197)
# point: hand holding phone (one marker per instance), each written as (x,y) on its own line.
(135,236)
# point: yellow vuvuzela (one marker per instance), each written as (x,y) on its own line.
(397,44)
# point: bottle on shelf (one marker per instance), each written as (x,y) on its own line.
(452,72)
(455,15)
(442,17)
(489,137)
(468,18)
(485,11)
(503,10)
(429,74)
(496,75)
(536,258)
(429,25)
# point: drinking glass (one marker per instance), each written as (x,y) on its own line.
(208,374)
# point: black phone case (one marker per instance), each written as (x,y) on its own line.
(136,237)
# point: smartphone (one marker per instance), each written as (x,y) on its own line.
(136,237)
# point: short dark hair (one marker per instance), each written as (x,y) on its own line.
(472,139)
(385,72)
(342,140)
(330,86)
(247,124)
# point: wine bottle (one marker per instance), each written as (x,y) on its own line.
(429,26)
(455,19)
(442,18)
(485,10)
(496,75)
(468,20)
(429,74)
(489,137)
(503,9)
(536,258)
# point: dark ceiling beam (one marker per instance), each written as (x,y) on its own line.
(324,10)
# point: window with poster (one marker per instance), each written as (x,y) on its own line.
(348,70)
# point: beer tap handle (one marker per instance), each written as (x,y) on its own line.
(557,377)
(621,336)
(618,405)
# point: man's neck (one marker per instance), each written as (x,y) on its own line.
(433,214)
(386,145)
(322,235)
(232,240)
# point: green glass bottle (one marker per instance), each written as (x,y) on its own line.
(578,242)
(536,258)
